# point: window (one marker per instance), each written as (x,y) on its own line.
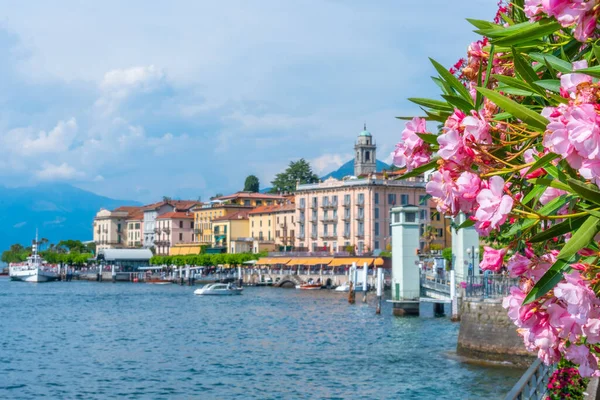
(325,229)
(118,227)
(326,200)
(396,218)
(325,214)
(180,236)
(277,219)
(260,223)
(440,232)
(314,202)
(347,229)
(347,213)
(191,224)
(277,233)
(302,203)
(269,222)
(361,213)
(335,213)
(361,247)
(247,202)
(410,217)
(361,198)
(269,235)
(422,199)
(259,202)
(361,228)
(180,224)
(292,233)
(347,199)
(376,212)
(334,200)
(253,223)
(423,215)
(301,216)
(437,216)
(292,219)
(376,228)
(403,199)
(334,246)
(334,230)
(367,156)
(377,245)
(392,199)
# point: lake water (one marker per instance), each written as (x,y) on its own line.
(91,340)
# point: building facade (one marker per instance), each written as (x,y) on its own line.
(110,227)
(231,229)
(274,225)
(135,229)
(250,199)
(173,228)
(153,211)
(204,216)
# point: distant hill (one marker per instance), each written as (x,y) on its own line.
(58,211)
(344,170)
(348,169)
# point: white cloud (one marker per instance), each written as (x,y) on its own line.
(20,224)
(59,139)
(329,162)
(64,171)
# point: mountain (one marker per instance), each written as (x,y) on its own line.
(348,169)
(58,211)
(344,170)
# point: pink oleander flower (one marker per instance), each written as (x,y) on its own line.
(454,120)
(590,169)
(517,265)
(452,147)
(580,354)
(412,151)
(577,295)
(494,206)
(584,131)
(565,324)
(492,259)
(550,194)
(532,8)
(441,187)
(467,188)
(591,330)
(476,129)
(569,82)
(586,26)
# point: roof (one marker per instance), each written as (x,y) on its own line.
(125,254)
(365,132)
(137,215)
(180,205)
(243,214)
(250,195)
(273,209)
(176,215)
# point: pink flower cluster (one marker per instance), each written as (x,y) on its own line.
(412,151)
(453,195)
(582,14)
(462,134)
(574,129)
(565,325)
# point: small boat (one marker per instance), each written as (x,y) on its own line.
(218,289)
(309,286)
(158,281)
(34,269)
(346,288)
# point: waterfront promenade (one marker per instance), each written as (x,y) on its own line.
(146,341)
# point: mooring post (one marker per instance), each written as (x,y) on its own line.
(180,275)
(240,279)
(365,284)
(188,275)
(379,289)
(453,298)
(113,273)
(351,293)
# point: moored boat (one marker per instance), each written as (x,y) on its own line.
(32,270)
(218,289)
(309,286)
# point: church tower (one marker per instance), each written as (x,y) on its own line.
(365,161)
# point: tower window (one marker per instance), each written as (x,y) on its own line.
(367,156)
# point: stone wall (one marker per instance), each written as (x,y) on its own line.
(487,334)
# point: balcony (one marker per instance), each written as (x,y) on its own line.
(197,231)
(314,206)
(156,230)
(360,204)
(328,235)
(346,217)
(167,230)
(329,219)
(347,234)
(313,236)
(301,206)
(313,219)
(331,206)
(347,204)
(162,243)
(301,236)
(283,225)
(360,217)
(360,235)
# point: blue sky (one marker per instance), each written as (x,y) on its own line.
(141,99)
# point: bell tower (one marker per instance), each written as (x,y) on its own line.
(365,160)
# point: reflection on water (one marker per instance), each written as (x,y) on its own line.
(91,340)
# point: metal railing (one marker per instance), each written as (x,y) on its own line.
(435,282)
(533,384)
(489,286)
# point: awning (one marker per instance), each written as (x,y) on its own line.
(299,261)
(319,261)
(278,260)
(338,262)
(379,262)
(220,237)
(175,251)
(263,261)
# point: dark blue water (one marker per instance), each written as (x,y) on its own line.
(92,340)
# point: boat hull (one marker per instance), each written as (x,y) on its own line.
(33,276)
(228,292)
(308,287)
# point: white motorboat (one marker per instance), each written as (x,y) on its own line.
(218,289)
(32,270)
(345,287)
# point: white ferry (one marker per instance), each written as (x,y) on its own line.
(32,270)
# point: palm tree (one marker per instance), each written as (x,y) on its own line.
(429,235)
(43,241)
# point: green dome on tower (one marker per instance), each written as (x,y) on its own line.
(365,132)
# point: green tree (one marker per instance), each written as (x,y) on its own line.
(297,171)
(251,184)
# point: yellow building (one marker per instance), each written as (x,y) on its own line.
(204,216)
(273,224)
(250,199)
(230,228)
(438,234)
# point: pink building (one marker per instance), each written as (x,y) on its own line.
(173,228)
(355,211)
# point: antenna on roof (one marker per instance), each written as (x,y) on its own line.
(365,127)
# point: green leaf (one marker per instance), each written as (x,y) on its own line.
(581,238)
(513,82)
(530,117)
(423,168)
(592,71)
(498,31)
(502,116)
(515,92)
(436,116)
(459,103)
(549,209)
(523,68)
(567,226)
(428,138)
(442,85)
(452,81)
(533,193)
(430,103)
(481,24)
(551,183)
(588,192)
(528,33)
(466,224)
(541,162)
(552,85)
(555,62)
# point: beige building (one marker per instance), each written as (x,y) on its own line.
(274,224)
(204,216)
(231,229)
(250,199)
(173,228)
(110,227)
(135,229)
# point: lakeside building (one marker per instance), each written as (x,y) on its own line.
(110,227)
(173,228)
(230,232)
(441,228)
(355,212)
(153,211)
(273,226)
(135,229)
(205,214)
(250,199)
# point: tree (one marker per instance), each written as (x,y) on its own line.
(251,184)
(297,171)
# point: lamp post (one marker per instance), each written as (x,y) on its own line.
(473,252)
